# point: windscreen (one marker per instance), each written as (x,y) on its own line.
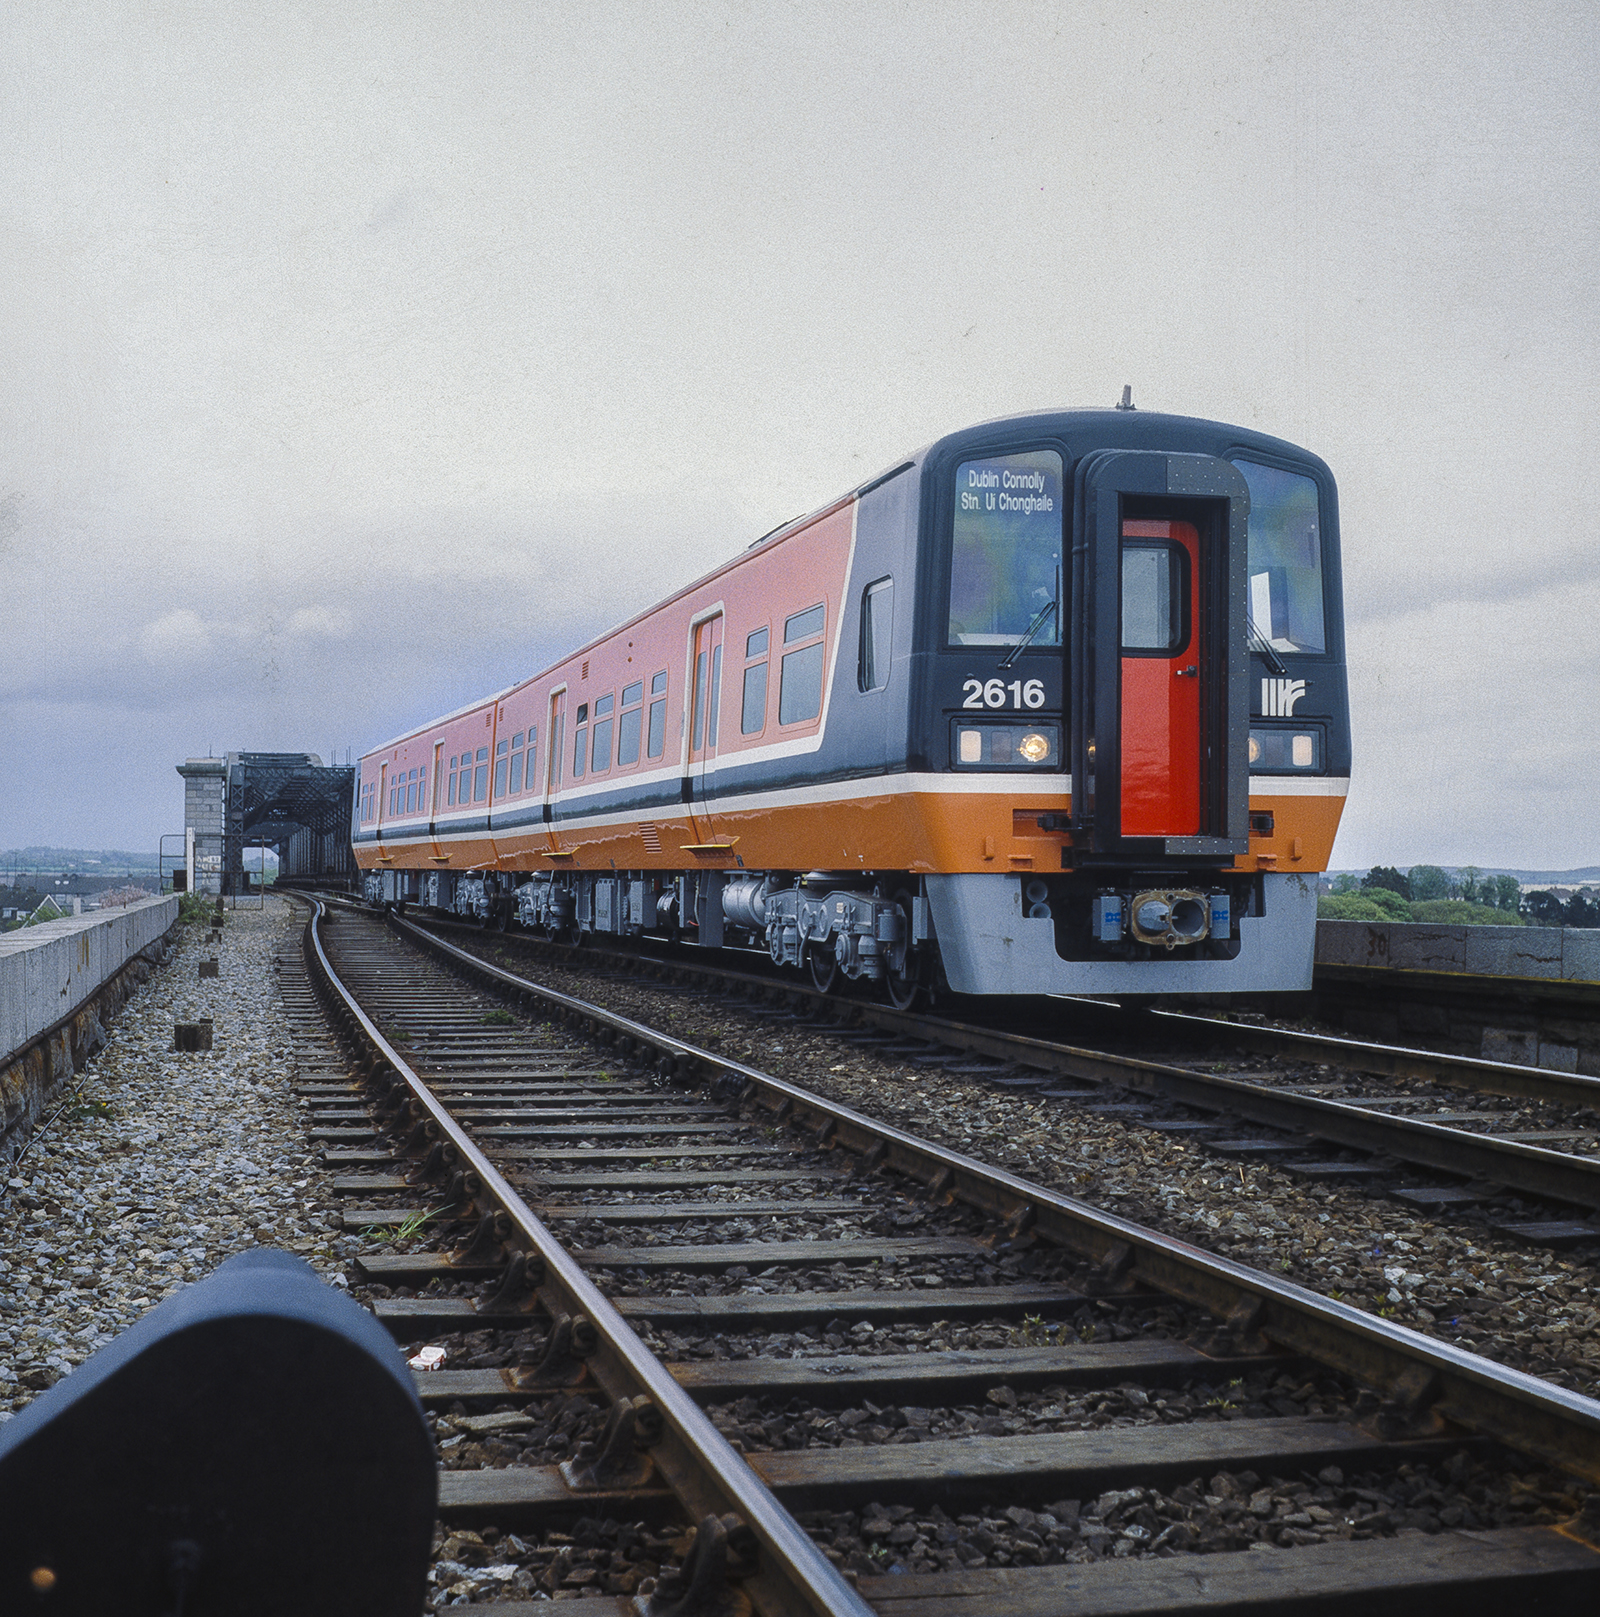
(1005,556)
(1285,567)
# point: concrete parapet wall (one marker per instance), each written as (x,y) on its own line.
(48,971)
(1553,953)
(58,983)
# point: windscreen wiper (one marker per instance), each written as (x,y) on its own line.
(1259,642)
(1033,629)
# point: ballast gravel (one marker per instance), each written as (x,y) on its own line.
(161,1164)
(1528,1308)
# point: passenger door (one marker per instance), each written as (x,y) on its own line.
(555,742)
(704,720)
(1162,677)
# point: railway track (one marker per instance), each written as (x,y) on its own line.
(1524,1153)
(952,1388)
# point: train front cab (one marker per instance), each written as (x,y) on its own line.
(1182,711)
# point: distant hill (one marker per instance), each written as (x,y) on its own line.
(1528,878)
(94,861)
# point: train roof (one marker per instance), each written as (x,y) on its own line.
(1122,429)
(1109,429)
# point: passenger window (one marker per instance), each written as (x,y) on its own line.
(1284,544)
(422,788)
(800,679)
(580,737)
(628,723)
(753,709)
(480,776)
(450,797)
(516,764)
(803,625)
(753,717)
(699,702)
(877,617)
(411,792)
(1005,550)
(501,763)
(1154,577)
(533,746)
(657,741)
(716,695)
(600,752)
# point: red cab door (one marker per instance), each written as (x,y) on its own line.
(1161,678)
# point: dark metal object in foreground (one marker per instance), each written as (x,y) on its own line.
(253,1446)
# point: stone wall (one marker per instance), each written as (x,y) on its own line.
(1551,953)
(1392,981)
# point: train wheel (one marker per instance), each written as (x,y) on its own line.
(824,968)
(901,992)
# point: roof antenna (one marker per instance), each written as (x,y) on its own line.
(1127,397)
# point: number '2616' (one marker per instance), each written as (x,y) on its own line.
(996,692)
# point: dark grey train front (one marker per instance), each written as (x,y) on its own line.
(1174,639)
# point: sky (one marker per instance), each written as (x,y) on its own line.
(361,358)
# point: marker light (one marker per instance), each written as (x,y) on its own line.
(1036,748)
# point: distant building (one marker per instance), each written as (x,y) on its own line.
(290,802)
(205,790)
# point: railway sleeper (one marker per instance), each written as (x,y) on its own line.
(1413,1418)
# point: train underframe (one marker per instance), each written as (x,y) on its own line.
(1127,933)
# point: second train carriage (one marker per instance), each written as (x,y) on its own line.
(1056,705)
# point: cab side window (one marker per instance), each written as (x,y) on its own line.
(877,618)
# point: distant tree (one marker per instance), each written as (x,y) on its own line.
(1346,882)
(1543,909)
(1428,881)
(1469,881)
(1581,910)
(1386,876)
(1389,903)
(1349,907)
(1504,892)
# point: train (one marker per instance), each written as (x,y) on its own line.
(1055,705)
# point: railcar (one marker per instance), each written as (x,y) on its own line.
(1055,705)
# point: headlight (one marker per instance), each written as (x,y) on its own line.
(1286,751)
(1008,746)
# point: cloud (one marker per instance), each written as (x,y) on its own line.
(319,623)
(180,637)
